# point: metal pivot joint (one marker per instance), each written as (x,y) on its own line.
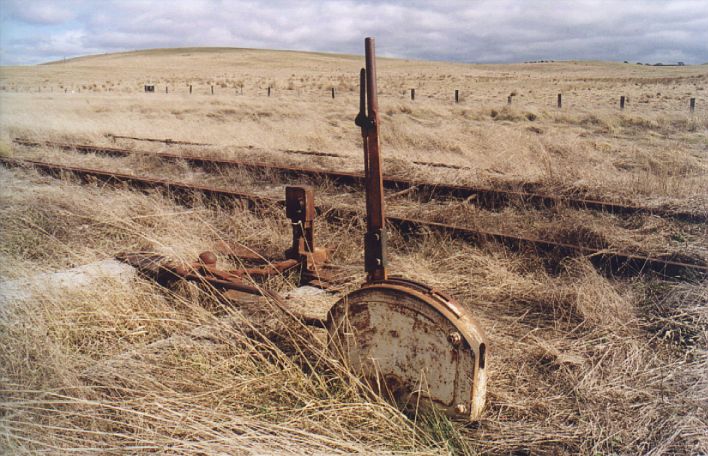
(368,121)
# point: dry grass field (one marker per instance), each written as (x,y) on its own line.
(580,361)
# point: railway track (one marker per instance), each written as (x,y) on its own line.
(614,262)
(314,153)
(484,197)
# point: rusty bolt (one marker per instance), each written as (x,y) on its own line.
(455,338)
(207,258)
(461,409)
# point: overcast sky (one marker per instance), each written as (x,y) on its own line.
(35,31)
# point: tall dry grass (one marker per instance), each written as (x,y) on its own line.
(131,368)
(580,363)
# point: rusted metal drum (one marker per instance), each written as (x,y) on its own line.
(412,344)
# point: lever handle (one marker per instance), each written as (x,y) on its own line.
(360,119)
(368,119)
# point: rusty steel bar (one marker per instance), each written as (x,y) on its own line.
(375,238)
(616,262)
(485,197)
(285,151)
(153,266)
(439,165)
(166,140)
(314,153)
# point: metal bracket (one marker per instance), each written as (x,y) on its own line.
(300,209)
(375,250)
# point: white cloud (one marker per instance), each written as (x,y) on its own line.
(39,11)
(476,31)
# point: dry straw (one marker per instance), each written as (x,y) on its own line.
(580,362)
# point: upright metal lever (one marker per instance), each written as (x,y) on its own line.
(375,238)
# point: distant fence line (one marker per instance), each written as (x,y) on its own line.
(150,88)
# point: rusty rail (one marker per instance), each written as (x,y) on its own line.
(314,153)
(174,188)
(159,140)
(615,262)
(485,197)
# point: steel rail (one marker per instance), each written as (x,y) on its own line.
(485,197)
(616,262)
(159,140)
(315,153)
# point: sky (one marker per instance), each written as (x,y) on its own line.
(474,31)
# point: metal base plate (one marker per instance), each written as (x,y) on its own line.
(413,345)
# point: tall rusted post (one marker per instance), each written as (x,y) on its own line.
(190,89)
(212,90)
(166,90)
(375,238)
(333,93)
(560,101)
(457,96)
(622,102)
(508,100)
(268,90)
(692,105)
(412,94)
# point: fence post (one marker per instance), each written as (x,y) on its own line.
(166,90)
(412,94)
(268,90)
(692,105)
(190,89)
(622,102)
(212,90)
(457,96)
(508,100)
(333,93)
(560,101)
